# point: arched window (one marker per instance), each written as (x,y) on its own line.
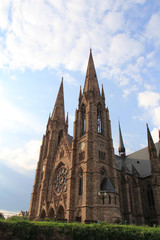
(60,136)
(99,118)
(109,199)
(83,119)
(115,200)
(81,183)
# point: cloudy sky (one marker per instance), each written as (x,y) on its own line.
(43,40)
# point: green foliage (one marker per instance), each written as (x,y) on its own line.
(18,228)
(17,218)
(1,215)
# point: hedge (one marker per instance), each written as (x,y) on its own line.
(24,229)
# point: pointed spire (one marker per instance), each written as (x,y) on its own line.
(103,96)
(91,82)
(58,111)
(66,124)
(151,146)
(80,94)
(121,148)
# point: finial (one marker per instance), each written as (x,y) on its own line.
(103,92)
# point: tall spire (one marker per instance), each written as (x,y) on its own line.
(121,148)
(80,94)
(58,111)
(151,146)
(91,82)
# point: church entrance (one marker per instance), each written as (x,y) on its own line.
(51,213)
(78,217)
(43,214)
(60,213)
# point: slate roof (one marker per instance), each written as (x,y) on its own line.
(69,137)
(137,161)
(106,185)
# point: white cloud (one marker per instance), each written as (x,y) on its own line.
(15,118)
(130,90)
(114,21)
(156,116)
(152,29)
(149,87)
(124,48)
(155,134)
(4,12)
(8,213)
(22,159)
(148,99)
(47,34)
(13,78)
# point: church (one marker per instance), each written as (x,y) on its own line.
(81,179)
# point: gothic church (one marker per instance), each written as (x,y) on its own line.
(81,179)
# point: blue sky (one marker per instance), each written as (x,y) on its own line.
(43,40)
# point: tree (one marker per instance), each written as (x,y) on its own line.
(1,215)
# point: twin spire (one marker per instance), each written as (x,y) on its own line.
(58,111)
(91,82)
(91,85)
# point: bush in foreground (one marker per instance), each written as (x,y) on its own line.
(23,229)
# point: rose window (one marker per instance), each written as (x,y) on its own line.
(61,180)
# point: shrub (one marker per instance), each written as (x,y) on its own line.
(1,215)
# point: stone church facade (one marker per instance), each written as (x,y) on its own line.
(80,178)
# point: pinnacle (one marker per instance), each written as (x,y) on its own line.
(151,145)
(121,144)
(102,93)
(58,111)
(91,82)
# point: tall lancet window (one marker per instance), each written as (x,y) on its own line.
(99,118)
(83,119)
(80,182)
(60,135)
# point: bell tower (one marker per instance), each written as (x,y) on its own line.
(93,155)
(54,132)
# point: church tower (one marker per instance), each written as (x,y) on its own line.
(55,128)
(93,160)
(76,178)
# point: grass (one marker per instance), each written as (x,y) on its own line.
(21,228)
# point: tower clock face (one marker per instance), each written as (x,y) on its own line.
(61,180)
(82,146)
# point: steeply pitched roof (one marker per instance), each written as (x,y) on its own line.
(107,186)
(138,161)
(70,138)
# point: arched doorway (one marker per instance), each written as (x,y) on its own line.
(51,213)
(60,213)
(79,216)
(43,214)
